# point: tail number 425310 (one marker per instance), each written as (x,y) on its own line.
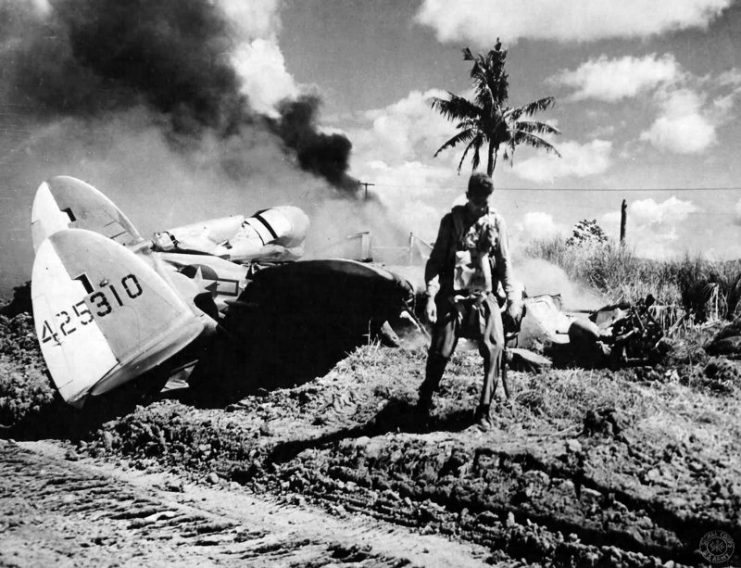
(104,301)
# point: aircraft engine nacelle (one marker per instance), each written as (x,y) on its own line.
(272,234)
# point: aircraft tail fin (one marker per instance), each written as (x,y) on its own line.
(65,202)
(103,316)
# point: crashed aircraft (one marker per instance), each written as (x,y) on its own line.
(111,306)
(614,335)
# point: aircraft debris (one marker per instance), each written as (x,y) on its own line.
(727,341)
(615,335)
(110,306)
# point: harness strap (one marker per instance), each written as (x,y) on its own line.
(458,225)
(458,214)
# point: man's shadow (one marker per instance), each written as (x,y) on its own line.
(395,416)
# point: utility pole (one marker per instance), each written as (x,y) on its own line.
(623,220)
(366,184)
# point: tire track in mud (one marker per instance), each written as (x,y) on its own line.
(538,504)
(543,499)
(57,512)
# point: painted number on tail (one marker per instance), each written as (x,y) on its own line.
(104,300)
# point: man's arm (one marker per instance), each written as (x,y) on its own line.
(503,262)
(506,277)
(436,264)
(437,259)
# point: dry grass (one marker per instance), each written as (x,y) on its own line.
(704,289)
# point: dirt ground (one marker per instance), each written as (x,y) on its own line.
(60,509)
(584,468)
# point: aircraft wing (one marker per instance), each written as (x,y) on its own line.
(102,314)
(65,202)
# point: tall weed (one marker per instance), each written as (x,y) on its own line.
(704,289)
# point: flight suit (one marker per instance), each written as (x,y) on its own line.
(471,313)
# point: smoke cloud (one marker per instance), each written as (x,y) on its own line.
(144,100)
(542,277)
(90,58)
(323,154)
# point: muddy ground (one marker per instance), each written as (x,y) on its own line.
(584,468)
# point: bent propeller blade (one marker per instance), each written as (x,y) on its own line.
(64,202)
(103,316)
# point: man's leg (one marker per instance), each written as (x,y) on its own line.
(442,345)
(491,347)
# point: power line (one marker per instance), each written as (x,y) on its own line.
(584,189)
(619,189)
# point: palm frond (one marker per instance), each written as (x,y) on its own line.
(538,106)
(537,127)
(476,159)
(462,136)
(455,108)
(475,144)
(535,141)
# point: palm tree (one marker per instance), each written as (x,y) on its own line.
(488,119)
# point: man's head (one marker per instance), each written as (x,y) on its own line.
(480,188)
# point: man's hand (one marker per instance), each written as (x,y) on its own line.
(431,309)
(514,312)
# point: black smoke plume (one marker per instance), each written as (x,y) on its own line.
(323,154)
(86,58)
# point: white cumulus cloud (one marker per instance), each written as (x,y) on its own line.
(257,57)
(405,130)
(649,213)
(682,126)
(579,160)
(482,21)
(611,80)
(654,228)
(253,19)
(262,70)
(537,226)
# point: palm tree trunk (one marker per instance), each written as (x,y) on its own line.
(492,161)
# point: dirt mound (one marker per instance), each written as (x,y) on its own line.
(716,375)
(583,469)
(25,390)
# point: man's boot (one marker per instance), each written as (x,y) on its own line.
(482,417)
(424,403)
(433,374)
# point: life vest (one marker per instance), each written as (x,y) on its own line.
(475,246)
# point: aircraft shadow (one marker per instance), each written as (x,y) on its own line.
(292,324)
(395,416)
(269,360)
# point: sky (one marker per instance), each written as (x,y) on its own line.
(648,96)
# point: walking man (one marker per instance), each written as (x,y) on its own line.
(468,261)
